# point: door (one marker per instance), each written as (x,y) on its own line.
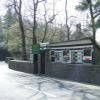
(42,63)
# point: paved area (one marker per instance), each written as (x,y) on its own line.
(21,86)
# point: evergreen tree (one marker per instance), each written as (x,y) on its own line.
(84,6)
(1,31)
(94,9)
(9,18)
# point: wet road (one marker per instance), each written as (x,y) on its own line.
(21,86)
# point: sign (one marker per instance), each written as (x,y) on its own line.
(36,49)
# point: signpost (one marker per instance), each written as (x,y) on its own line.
(39,49)
(35,52)
(36,49)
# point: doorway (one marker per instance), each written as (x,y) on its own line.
(42,63)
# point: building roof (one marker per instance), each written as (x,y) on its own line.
(80,42)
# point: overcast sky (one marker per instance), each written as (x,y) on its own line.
(81,17)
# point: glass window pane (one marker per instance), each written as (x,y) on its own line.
(65,52)
(57,56)
(52,53)
(53,59)
(87,52)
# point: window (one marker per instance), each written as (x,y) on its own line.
(53,59)
(77,56)
(53,56)
(61,56)
(65,52)
(87,52)
(52,53)
(66,56)
(58,56)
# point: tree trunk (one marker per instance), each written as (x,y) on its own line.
(67,27)
(92,19)
(35,56)
(17,8)
(34,40)
(93,29)
(24,57)
(45,32)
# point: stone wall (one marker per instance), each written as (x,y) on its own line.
(24,66)
(74,72)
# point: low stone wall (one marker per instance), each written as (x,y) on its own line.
(24,66)
(74,72)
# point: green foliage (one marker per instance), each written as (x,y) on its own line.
(53,33)
(9,18)
(97,4)
(11,31)
(83,6)
(98,23)
(1,32)
(13,38)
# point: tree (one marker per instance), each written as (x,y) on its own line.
(92,18)
(18,10)
(1,31)
(67,26)
(35,4)
(49,20)
(8,20)
(14,37)
(94,8)
(10,17)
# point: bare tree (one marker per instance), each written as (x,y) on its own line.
(67,26)
(18,9)
(49,20)
(35,4)
(53,34)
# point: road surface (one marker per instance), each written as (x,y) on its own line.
(21,86)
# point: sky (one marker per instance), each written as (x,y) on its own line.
(2,7)
(59,9)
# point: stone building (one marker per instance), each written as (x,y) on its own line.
(82,51)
